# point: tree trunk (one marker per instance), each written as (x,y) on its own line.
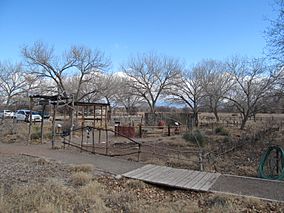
(244,121)
(195,118)
(215,111)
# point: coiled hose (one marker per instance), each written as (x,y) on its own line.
(279,158)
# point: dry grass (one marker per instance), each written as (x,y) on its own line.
(80,178)
(181,161)
(135,184)
(87,168)
(53,196)
(42,161)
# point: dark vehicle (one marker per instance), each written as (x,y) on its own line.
(44,115)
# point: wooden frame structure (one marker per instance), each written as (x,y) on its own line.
(76,110)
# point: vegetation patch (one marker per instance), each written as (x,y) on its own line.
(195,137)
(222,131)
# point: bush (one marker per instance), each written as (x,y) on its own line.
(87,168)
(80,178)
(227,139)
(221,131)
(195,137)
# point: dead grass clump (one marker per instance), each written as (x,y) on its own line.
(92,195)
(48,197)
(42,161)
(87,168)
(166,206)
(181,161)
(135,184)
(13,132)
(124,200)
(53,196)
(80,178)
(156,161)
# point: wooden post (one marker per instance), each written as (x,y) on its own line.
(71,120)
(93,140)
(140,131)
(139,151)
(200,157)
(169,130)
(53,124)
(94,128)
(41,125)
(82,137)
(101,124)
(106,131)
(30,120)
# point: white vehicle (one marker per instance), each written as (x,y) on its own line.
(6,114)
(24,115)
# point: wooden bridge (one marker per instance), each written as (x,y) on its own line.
(210,182)
(179,178)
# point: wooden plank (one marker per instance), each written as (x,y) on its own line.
(193,181)
(158,170)
(175,174)
(183,177)
(178,174)
(201,182)
(133,172)
(158,175)
(189,178)
(136,171)
(210,182)
(144,172)
(162,178)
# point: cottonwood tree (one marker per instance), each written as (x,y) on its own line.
(189,91)
(88,63)
(150,76)
(14,81)
(253,82)
(45,64)
(275,35)
(126,97)
(79,61)
(216,83)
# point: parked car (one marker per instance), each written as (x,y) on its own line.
(24,115)
(6,114)
(44,115)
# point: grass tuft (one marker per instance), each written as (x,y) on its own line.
(80,178)
(87,168)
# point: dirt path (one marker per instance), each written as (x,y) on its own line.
(247,186)
(72,156)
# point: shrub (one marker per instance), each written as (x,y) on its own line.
(221,131)
(87,168)
(227,139)
(195,137)
(80,178)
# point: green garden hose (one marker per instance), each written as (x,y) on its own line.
(279,152)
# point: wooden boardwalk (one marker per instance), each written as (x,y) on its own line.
(179,178)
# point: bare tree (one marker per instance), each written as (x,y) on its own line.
(43,62)
(88,63)
(216,83)
(14,81)
(126,97)
(151,75)
(253,81)
(275,35)
(189,90)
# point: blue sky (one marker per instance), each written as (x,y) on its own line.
(186,29)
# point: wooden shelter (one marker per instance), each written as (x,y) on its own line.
(95,113)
